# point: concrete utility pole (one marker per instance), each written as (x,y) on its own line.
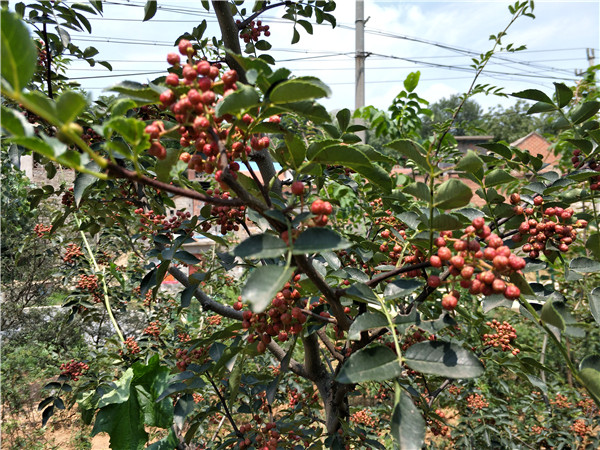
(359,93)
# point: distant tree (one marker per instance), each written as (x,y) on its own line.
(512,123)
(467,121)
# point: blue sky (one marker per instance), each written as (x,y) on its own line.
(556,45)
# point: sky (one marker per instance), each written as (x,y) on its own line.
(436,38)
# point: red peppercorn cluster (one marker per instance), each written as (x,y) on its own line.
(580,428)
(454,390)
(90,136)
(437,427)
(267,437)
(73,251)
(253,30)
(476,401)
(185,357)
(183,337)
(537,429)
(227,216)
(153,329)
(214,320)
(578,160)
(68,198)
(192,100)
(283,317)
(73,369)
(321,209)
(197,397)
(503,338)
(486,264)
(363,417)
(89,283)
(42,55)
(588,406)
(545,225)
(41,230)
(561,401)
(411,339)
(132,347)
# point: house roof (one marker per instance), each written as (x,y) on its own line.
(524,138)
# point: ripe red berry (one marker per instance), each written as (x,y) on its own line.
(433,281)
(158,150)
(444,253)
(167,97)
(173,58)
(449,302)
(297,188)
(515,198)
(512,292)
(316,207)
(435,261)
(478,223)
(184,46)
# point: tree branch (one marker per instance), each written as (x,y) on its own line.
(327,342)
(247,21)
(229,35)
(120,172)
(294,366)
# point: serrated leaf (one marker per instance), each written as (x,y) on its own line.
(150,10)
(446,222)
(374,363)
(296,148)
(407,426)
(83,181)
(299,89)
(443,359)
(186,257)
(584,265)
(584,112)
(589,371)
(401,288)
(244,98)
(498,176)
(594,299)
(19,55)
(533,94)
(498,148)
(261,246)
(366,321)
(563,94)
(452,193)
(263,284)
(411,150)
(317,239)
(136,91)
(470,162)
(69,105)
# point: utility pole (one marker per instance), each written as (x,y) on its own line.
(590,54)
(359,92)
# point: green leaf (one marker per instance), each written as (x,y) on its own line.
(401,288)
(446,222)
(341,154)
(589,371)
(296,148)
(15,123)
(374,363)
(19,55)
(298,89)
(375,175)
(317,239)
(444,359)
(584,112)
(408,425)
(366,321)
(263,284)
(412,151)
(343,118)
(563,94)
(83,181)
(69,105)
(594,299)
(124,422)
(584,265)
(136,91)
(498,176)
(533,94)
(186,257)
(244,98)
(261,246)
(411,81)
(419,190)
(500,149)
(35,144)
(452,193)
(556,314)
(470,162)
(593,245)
(150,9)
(540,107)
